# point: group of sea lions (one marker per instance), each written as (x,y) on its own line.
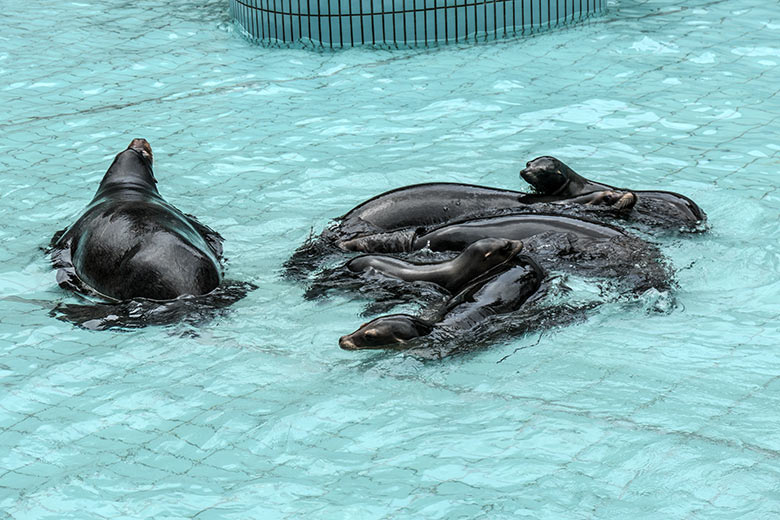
(567,225)
(476,253)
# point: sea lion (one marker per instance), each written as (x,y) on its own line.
(129,242)
(457,236)
(427,204)
(554,181)
(478,258)
(385,223)
(432,204)
(497,293)
(386,332)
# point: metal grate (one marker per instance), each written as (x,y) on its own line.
(346,23)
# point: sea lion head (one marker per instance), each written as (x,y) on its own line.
(143,147)
(491,252)
(132,167)
(390,331)
(547,175)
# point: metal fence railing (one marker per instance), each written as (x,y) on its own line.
(346,23)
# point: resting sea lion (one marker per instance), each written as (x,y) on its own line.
(432,204)
(487,296)
(130,242)
(478,258)
(459,235)
(456,236)
(423,205)
(554,181)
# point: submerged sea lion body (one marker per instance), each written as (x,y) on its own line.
(493,294)
(457,236)
(130,242)
(436,203)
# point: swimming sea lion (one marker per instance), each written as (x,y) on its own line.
(459,235)
(487,296)
(386,332)
(554,181)
(478,258)
(130,242)
(423,205)
(432,204)
(385,223)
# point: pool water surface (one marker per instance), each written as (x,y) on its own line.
(661,407)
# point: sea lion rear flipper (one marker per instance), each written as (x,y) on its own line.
(213,239)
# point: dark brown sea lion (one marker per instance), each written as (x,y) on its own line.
(478,258)
(459,235)
(556,182)
(130,242)
(496,293)
(432,204)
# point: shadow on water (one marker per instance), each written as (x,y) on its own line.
(139,312)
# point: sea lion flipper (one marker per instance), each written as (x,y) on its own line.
(213,239)
(56,238)
(627,201)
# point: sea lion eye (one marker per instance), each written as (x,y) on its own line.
(371,333)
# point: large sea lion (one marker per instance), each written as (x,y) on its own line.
(490,295)
(432,204)
(554,182)
(458,235)
(130,242)
(478,258)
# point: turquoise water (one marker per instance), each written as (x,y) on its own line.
(258,413)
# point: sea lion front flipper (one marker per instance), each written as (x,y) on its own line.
(626,201)
(213,239)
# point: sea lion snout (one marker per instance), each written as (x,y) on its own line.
(346,343)
(143,147)
(514,247)
(504,247)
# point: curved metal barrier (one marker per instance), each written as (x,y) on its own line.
(346,23)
